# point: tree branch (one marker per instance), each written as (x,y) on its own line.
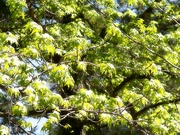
(4,88)
(15,124)
(173,19)
(151,106)
(32,14)
(127,80)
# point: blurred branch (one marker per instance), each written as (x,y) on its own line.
(4,88)
(173,19)
(32,14)
(15,124)
(153,106)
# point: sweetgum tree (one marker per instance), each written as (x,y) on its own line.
(90,66)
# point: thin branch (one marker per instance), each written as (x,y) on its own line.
(173,19)
(68,114)
(152,106)
(28,133)
(137,42)
(32,14)
(35,77)
(177,67)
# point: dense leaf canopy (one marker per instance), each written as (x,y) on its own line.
(90,66)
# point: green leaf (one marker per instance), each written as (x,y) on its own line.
(24,123)
(19,109)
(4,130)
(132,2)
(82,66)
(105,118)
(12,40)
(69,82)
(33,27)
(107,68)
(130,13)
(81,114)
(126,115)
(29,90)
(14,91)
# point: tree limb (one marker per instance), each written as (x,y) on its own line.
(127,80)
(151,106)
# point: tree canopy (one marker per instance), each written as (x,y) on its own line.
(90,66)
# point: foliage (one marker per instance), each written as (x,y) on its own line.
(90,66)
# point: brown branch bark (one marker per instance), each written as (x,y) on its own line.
(4,114)
(132,77)
(4,88)
(32,14)
(15,124)
(152,106)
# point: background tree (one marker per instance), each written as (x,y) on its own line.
(90,66)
